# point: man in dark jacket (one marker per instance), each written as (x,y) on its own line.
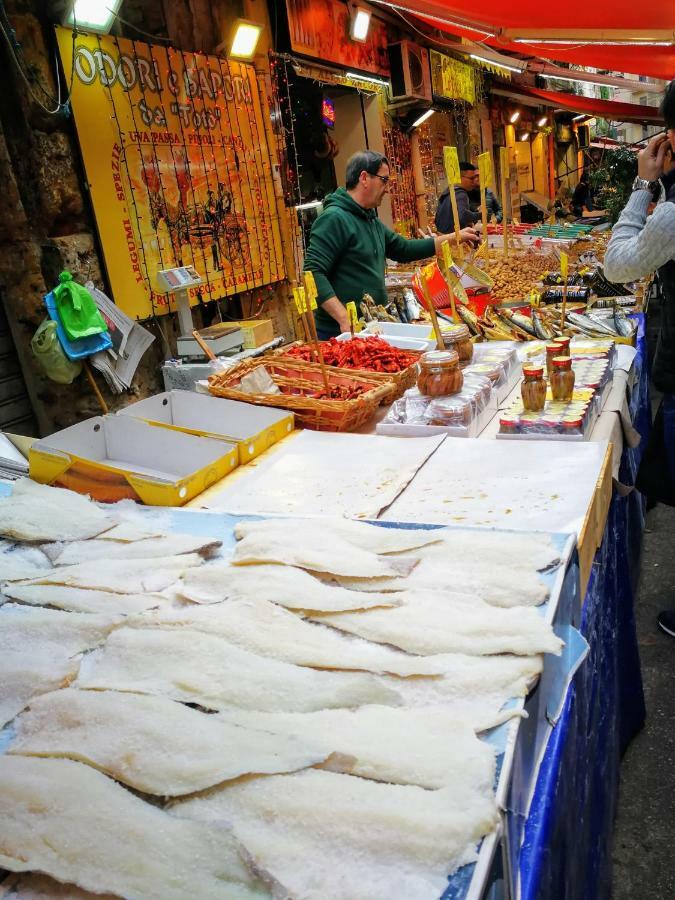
(492,204)
(445,221)
(641,244)
(349,245)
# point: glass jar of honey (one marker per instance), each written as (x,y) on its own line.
(457,337)
(533,388)
(552,350)
(439,373)
(562,378)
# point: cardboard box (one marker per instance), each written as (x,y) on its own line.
(118,457)
(256,332)
(252,428)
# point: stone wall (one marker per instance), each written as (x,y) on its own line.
(46,221)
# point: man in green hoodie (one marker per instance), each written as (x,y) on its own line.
(349,245)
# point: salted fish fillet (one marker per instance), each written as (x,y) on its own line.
(83,600)
(272,631)
(130,576)
(42,633)
(285,585)
(73,823)
(318,834)
(156,745)
(36,512)
(23,677)
(530,550)
(129,530)
(426,747)
(198,668)
(311,549)
(434,622)
(374,538)
(42,887)
(149,548)
(19,561)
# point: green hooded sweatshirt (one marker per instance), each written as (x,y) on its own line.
(347,250)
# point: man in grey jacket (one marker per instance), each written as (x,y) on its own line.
(444,219)
(641,244)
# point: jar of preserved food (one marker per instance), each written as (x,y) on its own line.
(564,343)
(533,388)
(562,378)
(552,350)
(457,337)
(439,373)
(450,411)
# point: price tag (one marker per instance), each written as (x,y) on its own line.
(485,169)
(447,254)
(310,288)
(564,261)
(300,298)
(353,315)
(451,163)
(535,298)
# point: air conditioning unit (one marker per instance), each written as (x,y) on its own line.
(410,74)
(563,133)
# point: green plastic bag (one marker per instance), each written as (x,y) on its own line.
(77,310)
(48,351)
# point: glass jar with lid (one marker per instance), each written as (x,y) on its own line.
(552,350)
(457,337)
(562,378)
(533,388)
(564,343)
(439,373)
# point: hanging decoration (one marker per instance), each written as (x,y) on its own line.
(398,150)
(426,153)
(177,157)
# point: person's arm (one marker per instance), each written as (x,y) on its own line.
(467,216)
(337,311)
(401,249)
(639,245)
(443,217)
(327,245)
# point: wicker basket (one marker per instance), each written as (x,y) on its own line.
(298,380)
(399,381)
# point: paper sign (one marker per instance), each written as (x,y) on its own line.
(535,298)
(447,254)
(564,260)
(485,169)
(353,315)
(451,162)
(310,286)
(300,297)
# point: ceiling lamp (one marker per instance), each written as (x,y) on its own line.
(245,36)
(425,115)
(541,122)
(94,15)
(514,117)
(360,23)
(525,136)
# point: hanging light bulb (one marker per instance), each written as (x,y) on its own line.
(514,117)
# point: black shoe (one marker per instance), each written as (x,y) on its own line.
(666,621)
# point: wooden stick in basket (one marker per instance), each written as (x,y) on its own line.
(429,303)
(310,294)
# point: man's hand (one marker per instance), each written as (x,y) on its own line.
(651,159)
(338,311)
(466,236)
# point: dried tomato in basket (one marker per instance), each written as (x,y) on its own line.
(371,354)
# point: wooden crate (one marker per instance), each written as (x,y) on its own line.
(593,528)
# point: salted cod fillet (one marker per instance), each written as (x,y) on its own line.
(156,745)
(36,512)
(430,748)
(374,538)
(42,887)
(150,548)
(311,549)
(318,834)
(132,576)
(19,561)
(199,668)
(38,650)
(285,585)
(272,631)
(434,622)
(82,600)
(71,822)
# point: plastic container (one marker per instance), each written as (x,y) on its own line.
(439,374)
(450,411)
(562,378)
(458,337)
(533,388)
(492,370)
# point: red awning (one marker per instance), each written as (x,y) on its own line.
(610,20)
(608,109)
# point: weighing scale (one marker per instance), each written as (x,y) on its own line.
(222,338)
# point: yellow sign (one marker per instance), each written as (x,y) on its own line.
(535,298)
(300,298)
(564,263)
(447,254)
(451,78)
(353,315)
(451,163)
(485,169)
(177,160)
